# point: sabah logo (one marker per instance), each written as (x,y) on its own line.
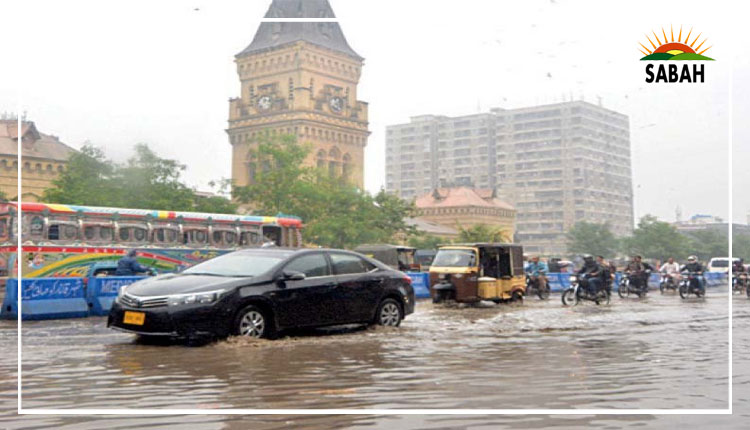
(670,49)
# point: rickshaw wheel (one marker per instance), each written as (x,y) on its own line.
(516,297)
(442,296)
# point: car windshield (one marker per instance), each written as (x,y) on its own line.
(720,263)
(237,265)
(455,258)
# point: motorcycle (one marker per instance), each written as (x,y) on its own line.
(575,294)
(626,286)
(532,287)
(667,283)
(687,285)
(739,283)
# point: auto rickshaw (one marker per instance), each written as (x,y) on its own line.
(424,258)
(469,273)
(396,256)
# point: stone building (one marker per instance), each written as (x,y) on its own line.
(466,207)
(44,158)
(557,164)
(300,78)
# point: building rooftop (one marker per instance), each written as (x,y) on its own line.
(461,197)
(35,144)
(271,35)
(428,227)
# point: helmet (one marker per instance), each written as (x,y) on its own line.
(587,257)
(692,258)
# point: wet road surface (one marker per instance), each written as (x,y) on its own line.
(659,352)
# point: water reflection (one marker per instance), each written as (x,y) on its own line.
(654,353)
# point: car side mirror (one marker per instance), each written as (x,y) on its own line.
(291,275)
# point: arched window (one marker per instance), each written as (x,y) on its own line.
(321,159)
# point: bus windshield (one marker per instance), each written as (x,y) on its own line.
(455,258)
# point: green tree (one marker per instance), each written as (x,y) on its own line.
(146,181)
(335,212)
(281,182)
(706,244)
(592,238)
(741,246)
(483,233)
(656,239)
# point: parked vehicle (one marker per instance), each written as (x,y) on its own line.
(576,293)
(473,272)
(688,285)
(626,287)
(532,287)
(720,264)
(667,283)
(260,292)
(397,257)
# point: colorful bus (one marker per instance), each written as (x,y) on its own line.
(71,241)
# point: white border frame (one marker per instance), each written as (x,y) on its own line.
(240,411)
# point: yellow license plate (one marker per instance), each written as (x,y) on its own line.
(135,318)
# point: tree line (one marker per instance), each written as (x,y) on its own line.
(655,239)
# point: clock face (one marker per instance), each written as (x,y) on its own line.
(264,103)
(337,104)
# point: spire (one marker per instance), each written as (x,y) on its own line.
(272,35)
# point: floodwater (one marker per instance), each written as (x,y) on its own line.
(656,353)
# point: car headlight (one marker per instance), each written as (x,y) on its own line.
(121,292)
(187,299)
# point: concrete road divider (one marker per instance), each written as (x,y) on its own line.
(102,291)
(45,298)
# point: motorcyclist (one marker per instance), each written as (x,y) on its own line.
(671,269)
(537,271)
(694,266)
(590,275)
(609,270)
(738,266)
(738,271)
(129,266)
(639,272)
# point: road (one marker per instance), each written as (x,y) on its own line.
(659,352)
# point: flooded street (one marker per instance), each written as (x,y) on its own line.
(659,352)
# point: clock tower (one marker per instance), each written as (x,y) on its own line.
(300,78)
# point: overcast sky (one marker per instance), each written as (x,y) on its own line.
(121,72)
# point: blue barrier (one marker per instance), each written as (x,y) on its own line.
(101,292)
(45,298)
(421,283)
(560,281)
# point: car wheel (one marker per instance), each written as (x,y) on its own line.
(389,313)
(253,322)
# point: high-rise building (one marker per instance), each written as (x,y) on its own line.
(556,164)
(300,78)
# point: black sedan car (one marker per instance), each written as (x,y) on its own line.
(259,292)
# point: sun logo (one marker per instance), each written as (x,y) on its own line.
(669,50)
